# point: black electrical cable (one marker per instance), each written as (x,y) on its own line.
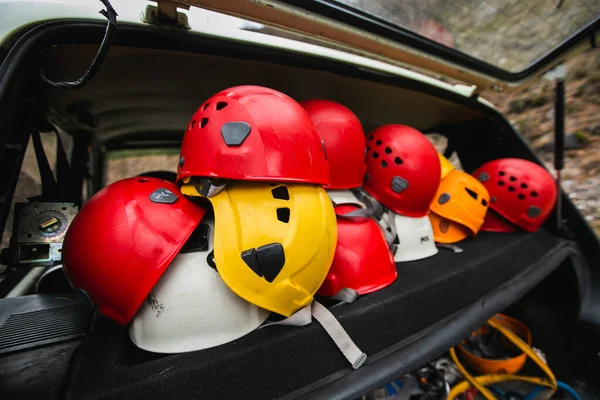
(109,37)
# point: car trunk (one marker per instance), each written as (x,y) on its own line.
(149,85)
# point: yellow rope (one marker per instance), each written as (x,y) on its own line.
(495,378)
(480,388)
(517,341)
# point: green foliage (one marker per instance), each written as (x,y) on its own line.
(582,136)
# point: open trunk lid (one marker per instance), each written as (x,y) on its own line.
(499,43)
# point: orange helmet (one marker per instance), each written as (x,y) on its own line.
(510,365)
(459,207)
(447,166)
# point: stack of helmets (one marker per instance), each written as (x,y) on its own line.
(522,194)
(256,155)
(184,277)
(403,174)
(459,207)
(362,260)
(139,251)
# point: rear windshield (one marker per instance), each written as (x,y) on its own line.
(509,34)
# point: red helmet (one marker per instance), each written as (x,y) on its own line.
(344,140)
(123,239)
(253,133)
(403,169)
(362,259)
(521,192)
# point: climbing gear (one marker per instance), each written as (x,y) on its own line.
(414,239)
(250,133)
(362,260)
(499,323)
(487,365)
(190,308)
(521,192)
(355,356)
(123,239)
(446,231)
(344,140)
(348,205)
(460,202)
(344,197)
(403,169)
(274,242)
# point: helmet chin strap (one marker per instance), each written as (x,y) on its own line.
(384,218)
(332,326)
(452,247)
(388,227)
(345,296)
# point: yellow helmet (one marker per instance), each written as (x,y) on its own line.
(447,166)
(274,242)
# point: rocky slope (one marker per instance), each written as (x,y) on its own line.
(531,111)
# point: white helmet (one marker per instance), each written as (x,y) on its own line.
(190,308)
(414,237)
(344,197)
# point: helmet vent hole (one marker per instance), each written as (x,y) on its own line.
(378,142)
(221,105)
(375,154)
(205,106)
(471,193)
(513,178)
(521,196)
(501,173)
(280,193)
(143,180)
(524,186)
(388,150)
(398,160)
(484,202)
(389,229)
(283,214)
(203,122)
(501,183)
(368,149)
(384,164)
(534,194)
(511,188)
(192,124)
(370,137)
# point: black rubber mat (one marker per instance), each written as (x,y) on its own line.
(280,361)
(36,373)
(32,321)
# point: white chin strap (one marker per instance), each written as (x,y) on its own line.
(344,196)
(332,326)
